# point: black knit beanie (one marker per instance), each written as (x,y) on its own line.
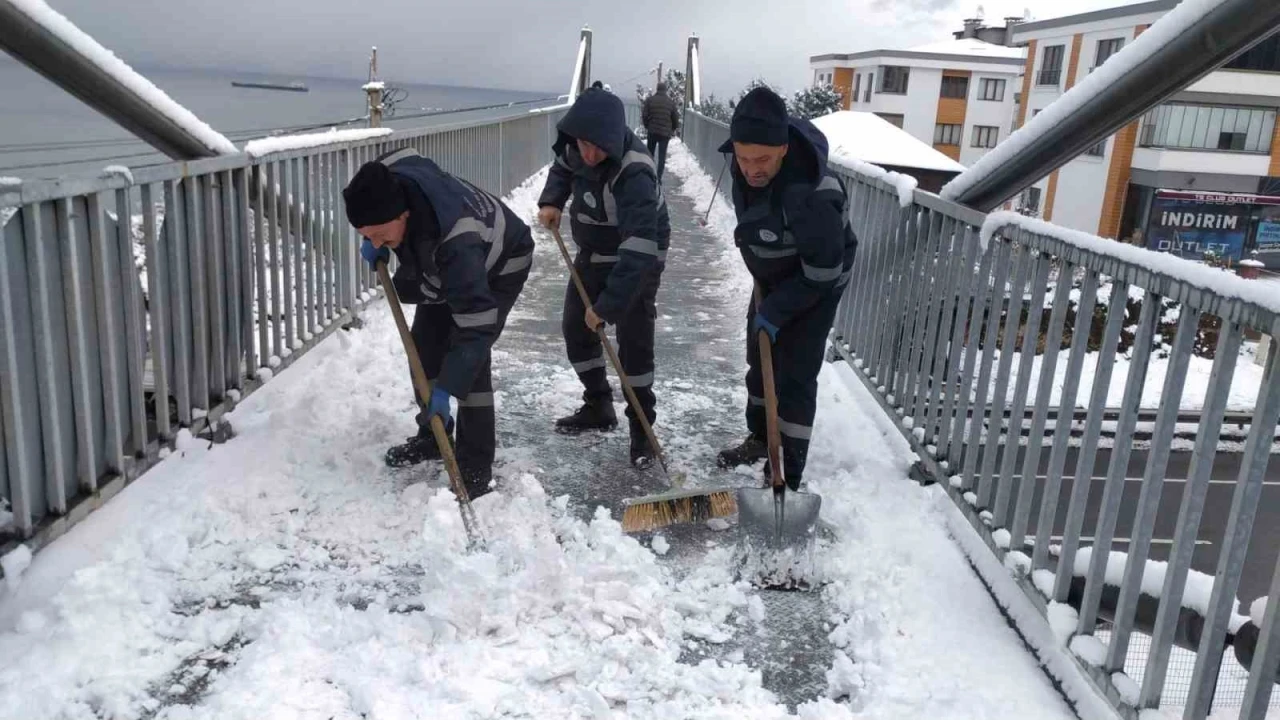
(760,119)
(373,196)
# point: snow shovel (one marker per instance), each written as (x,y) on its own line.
(653,511)
(775,515)
(475,540)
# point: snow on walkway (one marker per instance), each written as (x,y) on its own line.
(289,574)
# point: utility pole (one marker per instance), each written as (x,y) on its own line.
(374,89)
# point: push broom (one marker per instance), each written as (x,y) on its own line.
(676,506)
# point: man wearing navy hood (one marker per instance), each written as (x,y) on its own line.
(794,235)
(621,228)
(463,258)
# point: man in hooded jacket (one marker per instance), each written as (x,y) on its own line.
(794,235)
(620,225)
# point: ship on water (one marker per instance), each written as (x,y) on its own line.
(289,87)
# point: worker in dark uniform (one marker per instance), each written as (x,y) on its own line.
(463,259)
(620,225)
(794,234)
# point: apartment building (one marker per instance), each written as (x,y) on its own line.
(957,95)
(1198,173)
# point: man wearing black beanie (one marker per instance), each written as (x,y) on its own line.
(463,257)
(794,235)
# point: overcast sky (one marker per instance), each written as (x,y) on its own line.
(527,45)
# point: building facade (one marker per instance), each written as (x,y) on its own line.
(1198,173)
(957,95)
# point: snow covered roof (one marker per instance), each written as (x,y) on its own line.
(966,49)
(869,138)
(971,46)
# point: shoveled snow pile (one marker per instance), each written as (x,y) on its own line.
(282,143)
(1161,33)
(57,24)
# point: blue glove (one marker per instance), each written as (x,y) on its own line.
(372,254)
(762,323)
(439,405)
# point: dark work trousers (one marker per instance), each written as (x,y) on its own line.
(432,330)
(797,359)
(660,143)
(634,334)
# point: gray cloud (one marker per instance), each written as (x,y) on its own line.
(522,45)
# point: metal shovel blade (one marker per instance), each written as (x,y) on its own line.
(777,519)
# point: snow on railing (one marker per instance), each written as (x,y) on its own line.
(283,143)
(40,13)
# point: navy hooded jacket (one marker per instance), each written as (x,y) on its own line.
(794,234)
(618,214)
(458,239)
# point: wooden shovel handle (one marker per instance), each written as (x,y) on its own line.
(613,358)
(772,433)
(423,385)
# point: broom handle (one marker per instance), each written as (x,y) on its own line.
(423,386)
(613,357)
(770,402)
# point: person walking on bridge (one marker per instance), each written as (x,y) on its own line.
(463,257)
(620,225)
(794,235)
(661,119)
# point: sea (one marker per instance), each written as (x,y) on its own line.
(47,133)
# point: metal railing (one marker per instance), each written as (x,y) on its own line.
(134,307)
(977,348)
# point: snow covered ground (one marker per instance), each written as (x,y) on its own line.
(289,574)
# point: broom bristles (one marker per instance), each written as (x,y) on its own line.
(696,506)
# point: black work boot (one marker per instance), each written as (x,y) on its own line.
(751,451)
(417,449)
(477,481)
(595,414)
(793,483)
(642,452)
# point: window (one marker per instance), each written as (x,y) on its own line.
(871,78)
(955,87)
(985,136)
(1051,66)
(891,118)
(947,134)
(857,86)
(1107,48)
(991,89)
(1097,150)
(893,79)
(1209,127)
(1264,56)
(1030,200)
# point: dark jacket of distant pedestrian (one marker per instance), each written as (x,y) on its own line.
(620,225)
(661,119)
(795,238)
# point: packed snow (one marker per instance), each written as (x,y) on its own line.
(1193,273)
(1258,611)
(282,143)
(905,185)
(9,182)
(120,171)
(58,25)
(14,563)
(288,573)
(1196,592)
(1161,33)
(864,136)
